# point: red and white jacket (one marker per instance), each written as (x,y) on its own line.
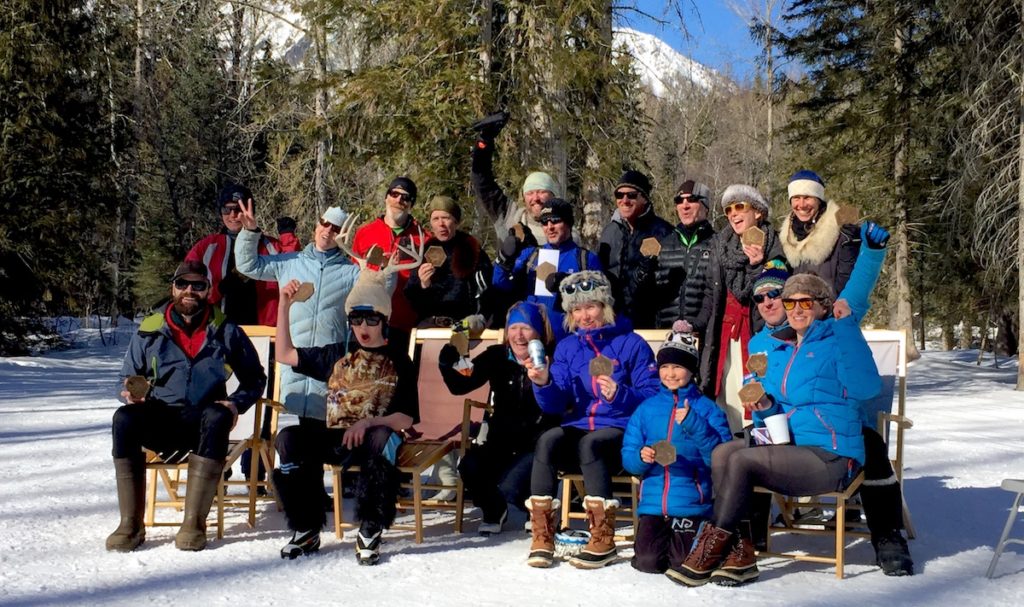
(377,232)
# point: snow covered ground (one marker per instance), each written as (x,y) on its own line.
(58,505)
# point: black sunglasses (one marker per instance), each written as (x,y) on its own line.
(230,209)
(371,321)
(583,286)
(399,195)
(681,198)
(551,221)
(620,194)
(198,286)
(773,294)
(330,226)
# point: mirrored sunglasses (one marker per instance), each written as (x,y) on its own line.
(805,303)
(583,286)
(773,294)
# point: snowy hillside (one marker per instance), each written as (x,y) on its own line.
(660,65)
(59,504)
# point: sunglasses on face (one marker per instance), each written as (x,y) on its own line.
(583,286)
(737,207)
(232,209)
(198,286)
(805,303)
(773,294)
(553,221)
(401,196)
(330,227)
(620,195)
(371,321)
(681,198)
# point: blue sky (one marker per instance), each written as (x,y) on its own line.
(715,35)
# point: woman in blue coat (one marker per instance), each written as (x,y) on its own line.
(601,372)
(674,497)
(819,367)
(321,319)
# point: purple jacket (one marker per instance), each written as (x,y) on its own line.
(574,394)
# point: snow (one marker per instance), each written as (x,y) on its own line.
(660,66)
(59,504)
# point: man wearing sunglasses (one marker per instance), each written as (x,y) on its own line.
(631,271)
(243,301)
(517,278)
(176,404)
(682,265)
(395,226)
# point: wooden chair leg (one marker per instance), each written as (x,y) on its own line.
(254,469)
(220,509)
(336,476)
(417,505)
(840,536)
(460,504)
(150,498)
(566,500)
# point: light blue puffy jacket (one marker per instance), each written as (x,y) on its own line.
(318,321)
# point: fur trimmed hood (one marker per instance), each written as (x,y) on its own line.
(819,243)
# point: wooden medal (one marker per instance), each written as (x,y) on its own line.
(435,256)
(461,342)
(544,270)
(664,452)
(753,236)
(758,364)
(137,386)
(375,256)
(848,215)
(752,392)
(601,365)
(650,247)
(304,292)
(518,231)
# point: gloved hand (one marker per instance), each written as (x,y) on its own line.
(490,126)
(448,356)
(554,280)
(474,323)
(285,225)
(875,235)
(510,249)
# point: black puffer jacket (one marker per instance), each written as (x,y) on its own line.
(726,245)
(517,421)
(459,287)
(682,272)
(631,273)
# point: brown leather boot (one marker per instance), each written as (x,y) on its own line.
(131,491)
(203,478)
(709,549)
(740,565)
(600,550)
(542,521)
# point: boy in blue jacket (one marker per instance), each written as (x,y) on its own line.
(680,426)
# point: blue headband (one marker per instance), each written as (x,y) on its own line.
(527,313)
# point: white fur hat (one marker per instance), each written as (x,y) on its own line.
(583,287)
(745,193)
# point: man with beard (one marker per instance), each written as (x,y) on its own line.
(176,404)
(393,228)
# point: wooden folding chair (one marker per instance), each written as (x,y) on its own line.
(169,474)
(442,419)
(889,349)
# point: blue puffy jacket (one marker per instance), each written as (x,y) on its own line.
(818,383)
(178,380)
(682,488)
(574,394)
(318,321)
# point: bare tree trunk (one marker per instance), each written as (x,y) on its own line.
(1020,222)
(486,41)
(769,51)
(320,109)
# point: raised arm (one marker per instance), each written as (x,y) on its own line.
(284,350)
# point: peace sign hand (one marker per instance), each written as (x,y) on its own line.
(248,215)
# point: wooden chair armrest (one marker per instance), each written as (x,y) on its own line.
(475,404)
(901,421)
(272,404)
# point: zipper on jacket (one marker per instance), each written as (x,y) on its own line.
(785,376)
(830,429)
(668,437)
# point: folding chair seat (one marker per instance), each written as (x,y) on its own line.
(170,475)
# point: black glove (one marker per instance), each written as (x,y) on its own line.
(509,250)
(490,126)
(448,356)
(554,280)
(285,225)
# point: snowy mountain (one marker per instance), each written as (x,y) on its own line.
(660,65)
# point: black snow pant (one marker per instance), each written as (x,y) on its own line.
(597,454)
(880,494)
(495,476)
(663,541)
(786,469)
(299,482)
(172,430)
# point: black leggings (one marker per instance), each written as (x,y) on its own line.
(597,454)
(788,469)
(172,431)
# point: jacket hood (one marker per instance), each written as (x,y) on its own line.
(819,242)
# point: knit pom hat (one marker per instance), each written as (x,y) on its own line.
(445,204)
(806,183)
(745,193)
(636,180)
(369,294)
(809,284)
(583,287)
(539,180)
(678,349)
(773,276)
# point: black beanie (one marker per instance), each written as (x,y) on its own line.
(635,179)
(234,192)
(406,184)
(556,207)
(678,352)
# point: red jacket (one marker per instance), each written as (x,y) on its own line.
(379,233)
(212,251)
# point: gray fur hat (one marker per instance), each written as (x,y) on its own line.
(809,284)
(583,287)
(745,193)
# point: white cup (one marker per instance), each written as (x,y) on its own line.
(778,428)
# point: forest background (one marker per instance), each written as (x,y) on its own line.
(121,119)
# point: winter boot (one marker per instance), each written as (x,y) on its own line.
(740,565)
(302,542)
(709,549)
(131,490)
(600,550)
(489,528)
(204,475)
(542,518)
(368,543)
(892,554)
